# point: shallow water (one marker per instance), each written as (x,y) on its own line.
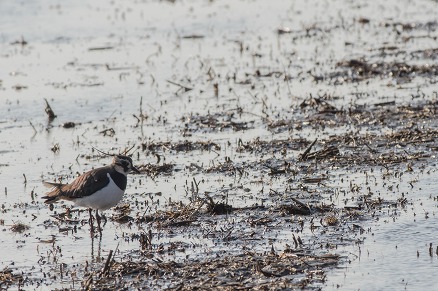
(95,62)
(388,259)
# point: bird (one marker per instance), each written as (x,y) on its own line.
(98,189)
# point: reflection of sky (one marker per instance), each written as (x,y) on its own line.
(47,20)
(51,19)
(144,37)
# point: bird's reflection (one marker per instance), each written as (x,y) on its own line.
(96,256)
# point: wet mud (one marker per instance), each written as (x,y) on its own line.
(269,153)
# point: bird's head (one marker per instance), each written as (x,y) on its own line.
(123,164)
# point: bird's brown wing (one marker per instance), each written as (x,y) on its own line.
(82,186)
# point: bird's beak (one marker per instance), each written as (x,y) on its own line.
(135,170)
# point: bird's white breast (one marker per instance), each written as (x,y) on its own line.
(102,199)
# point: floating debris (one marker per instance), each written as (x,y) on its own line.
(68,124)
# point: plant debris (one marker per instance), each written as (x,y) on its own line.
(153,170)
(19,227)
(184,146)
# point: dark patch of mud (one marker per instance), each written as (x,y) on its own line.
(319,113)
(239,264)
(292,267)
(184,146)
(246,271)
(357,70)
(214,122)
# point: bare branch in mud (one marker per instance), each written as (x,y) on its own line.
(107,266)
(49,110)
(303,156)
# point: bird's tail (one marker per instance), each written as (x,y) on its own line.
(52,185)
(54,195)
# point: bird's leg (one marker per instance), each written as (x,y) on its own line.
(98,219)
(90,220)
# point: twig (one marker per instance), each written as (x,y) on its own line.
(186,89)
(305,206)
(31,124)
(126,151)
(303,156)
(371,150)
(105,269)
(88,282)
(49,110)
